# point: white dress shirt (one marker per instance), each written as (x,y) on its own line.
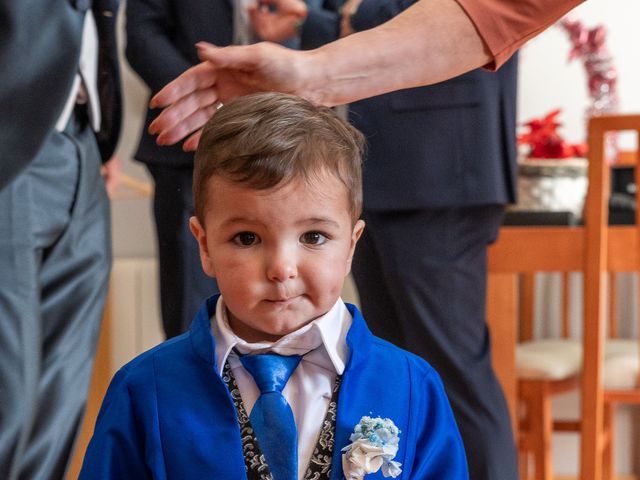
(85,82)
(310,387)
(243,33)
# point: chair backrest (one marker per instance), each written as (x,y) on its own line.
(528,299)
(605,249)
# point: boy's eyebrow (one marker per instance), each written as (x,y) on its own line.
(319,220)
(323,221)
(245,220)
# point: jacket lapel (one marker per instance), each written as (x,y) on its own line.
(352,402)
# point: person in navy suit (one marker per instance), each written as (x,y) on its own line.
(59,121)
(278,195)
(439,169)
(440,166)
(172,28)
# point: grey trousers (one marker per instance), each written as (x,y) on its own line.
(55,256)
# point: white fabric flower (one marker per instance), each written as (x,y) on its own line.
(374,445)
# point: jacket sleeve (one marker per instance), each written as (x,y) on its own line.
(322,24)
(39,47)
(122,445)
(439,451)
(150,50)
(372,13)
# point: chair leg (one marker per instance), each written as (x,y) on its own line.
(544,464)
(524,430)
(523,458)
(540,422)
(608,464)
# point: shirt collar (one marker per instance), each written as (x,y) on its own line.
(329,330)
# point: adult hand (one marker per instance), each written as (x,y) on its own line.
(367,63)
(277,20)
(225,73)
(111,172)
(348,9)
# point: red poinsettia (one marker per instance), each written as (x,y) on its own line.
(544,141)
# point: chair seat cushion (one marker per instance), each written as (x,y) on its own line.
(558,359)
(550,359)
(621,364)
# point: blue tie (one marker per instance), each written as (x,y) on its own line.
(271,417)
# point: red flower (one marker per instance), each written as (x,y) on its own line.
(544,141)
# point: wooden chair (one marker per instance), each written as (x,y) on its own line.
(594,250)
(621,370)
(545,367)
(609,249)
(552,366)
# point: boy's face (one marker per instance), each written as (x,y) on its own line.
(280,256)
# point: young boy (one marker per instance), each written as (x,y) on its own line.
(277,186)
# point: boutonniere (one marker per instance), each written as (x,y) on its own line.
(374,445)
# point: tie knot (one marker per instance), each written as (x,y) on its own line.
(270,371)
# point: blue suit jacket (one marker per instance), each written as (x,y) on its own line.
(446,145)
(161,38)
(168,414)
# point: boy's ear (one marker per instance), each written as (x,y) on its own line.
(358,228)
(200,235)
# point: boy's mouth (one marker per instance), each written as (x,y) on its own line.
(282,300)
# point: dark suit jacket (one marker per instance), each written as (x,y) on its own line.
(449,144)
(161,38)
(39,50)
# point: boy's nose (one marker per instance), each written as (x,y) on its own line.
(281,267)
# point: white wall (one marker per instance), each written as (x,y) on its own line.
(547,81)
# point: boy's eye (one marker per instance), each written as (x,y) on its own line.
(246,239)
(313,238)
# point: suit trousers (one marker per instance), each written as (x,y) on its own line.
(421,276)
(55,257)
(183,283)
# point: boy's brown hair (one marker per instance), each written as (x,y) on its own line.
(265,140)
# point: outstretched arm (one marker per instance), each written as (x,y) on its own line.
(430,42)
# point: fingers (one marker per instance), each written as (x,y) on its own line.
(191,144)
(194,124)
(199,77)
(345,26)
(183,117)
(273,27)
(295,7)
(260,21)
(111,171)
(233,57)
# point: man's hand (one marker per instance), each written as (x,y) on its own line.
(111,172)
(225,73)
(277,20)
(348,9)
